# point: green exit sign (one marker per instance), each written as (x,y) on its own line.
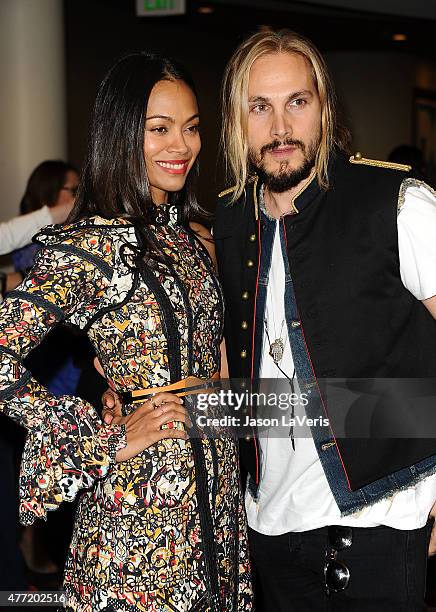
(150,8)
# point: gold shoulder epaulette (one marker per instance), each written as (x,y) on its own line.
(358,159)
(230,189)
(226,191)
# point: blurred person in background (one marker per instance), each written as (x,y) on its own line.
(163,526)
(52,184)
(48,199)
(17,232)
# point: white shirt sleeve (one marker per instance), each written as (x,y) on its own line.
(18,232)
(417,240)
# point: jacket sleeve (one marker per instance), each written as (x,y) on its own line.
(18,232)
(67,446)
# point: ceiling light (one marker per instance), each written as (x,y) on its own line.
(205,10)
(399,37)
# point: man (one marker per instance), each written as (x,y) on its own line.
(321,280)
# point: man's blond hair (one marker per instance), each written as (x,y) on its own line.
(235,103)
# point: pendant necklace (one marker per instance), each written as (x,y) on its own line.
(277,355)
(277,347)
(276,351)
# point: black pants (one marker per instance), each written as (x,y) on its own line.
(387,571)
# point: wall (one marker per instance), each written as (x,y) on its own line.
(375,88)
(376,93)
(111,30)
(32,93)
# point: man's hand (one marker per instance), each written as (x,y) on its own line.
(432,543)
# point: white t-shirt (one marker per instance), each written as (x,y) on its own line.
(294,494)
(18,232)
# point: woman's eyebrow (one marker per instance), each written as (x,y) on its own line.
(160,117)
(166,118)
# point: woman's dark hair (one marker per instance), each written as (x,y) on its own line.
(114,182)
(44,185)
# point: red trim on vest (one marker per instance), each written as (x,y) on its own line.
(284,233)
(252,342)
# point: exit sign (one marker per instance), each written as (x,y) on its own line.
(151,8)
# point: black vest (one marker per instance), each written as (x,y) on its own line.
(358,318)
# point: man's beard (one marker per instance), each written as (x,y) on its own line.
(285,178)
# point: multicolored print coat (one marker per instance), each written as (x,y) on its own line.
(164,531)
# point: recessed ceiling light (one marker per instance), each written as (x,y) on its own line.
(205,10)
(399,37)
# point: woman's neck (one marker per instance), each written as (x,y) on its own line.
(159,196)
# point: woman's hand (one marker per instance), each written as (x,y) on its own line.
(111,407)
(143,427)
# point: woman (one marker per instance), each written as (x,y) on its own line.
(48,199)
(162,527)
(18,231)
(52,183)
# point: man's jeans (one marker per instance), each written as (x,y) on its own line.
(387,571)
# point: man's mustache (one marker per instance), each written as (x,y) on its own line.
(275,144)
